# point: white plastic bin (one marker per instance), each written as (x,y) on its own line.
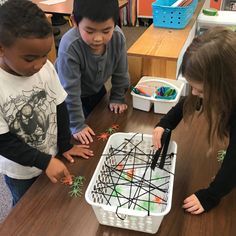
(161,106)
(124,191)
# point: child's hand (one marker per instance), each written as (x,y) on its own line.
(118,107)
(56,170)
(156,136)
(192,205)
(78,150)
(85,135)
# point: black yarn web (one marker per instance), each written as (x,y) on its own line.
(127,180)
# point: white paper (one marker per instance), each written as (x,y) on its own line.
(176,4)
(51,2)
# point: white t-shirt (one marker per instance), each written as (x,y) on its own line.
(2,1)
(28,109)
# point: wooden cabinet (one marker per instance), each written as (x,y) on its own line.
(144,8)
(159,51)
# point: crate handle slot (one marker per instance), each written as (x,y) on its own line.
(124,211)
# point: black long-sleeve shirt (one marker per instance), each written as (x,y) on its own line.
(12,148)
(225,180)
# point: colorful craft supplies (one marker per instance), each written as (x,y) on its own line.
(165,93)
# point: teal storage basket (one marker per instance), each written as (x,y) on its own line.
(165,16)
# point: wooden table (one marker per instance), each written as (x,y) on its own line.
(159,51)
(47,209)
(65,8)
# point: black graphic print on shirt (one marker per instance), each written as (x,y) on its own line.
(32,117)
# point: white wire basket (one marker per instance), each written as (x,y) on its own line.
(124,191)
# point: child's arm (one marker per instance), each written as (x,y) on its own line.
(170,121)
(68,69)
(15,150)
(12,148)
(120,77)
(225,180)
(64,134)
(64,137)
(85,135)
(173,116)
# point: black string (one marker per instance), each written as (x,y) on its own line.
(112,177)
(165,139)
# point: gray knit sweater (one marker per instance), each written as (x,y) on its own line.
(83,74)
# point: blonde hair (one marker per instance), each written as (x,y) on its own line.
(211,60)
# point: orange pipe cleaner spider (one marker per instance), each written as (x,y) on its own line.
(103,136)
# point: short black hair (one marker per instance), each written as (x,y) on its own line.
(22,19)
(96,10)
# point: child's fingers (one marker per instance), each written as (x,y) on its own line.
(193,205)
(76,136)
(69,157)
(82,146)
(79,138)
(192,208)
(122,108)
(114,107)
(89,138)
(156,137)
(83,138)
(86,154)
(68,176)
(118,108)
(53,179)
(91,131)
(111,106)
(156,141)
(78,150)
(199,211)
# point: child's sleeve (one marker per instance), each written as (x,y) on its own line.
(15,150)
(67,66)
(120,78)
(173,116)
(64,134)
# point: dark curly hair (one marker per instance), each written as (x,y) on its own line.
(22,19)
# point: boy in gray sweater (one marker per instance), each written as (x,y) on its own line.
(89,54)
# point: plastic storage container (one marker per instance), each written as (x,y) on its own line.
(124,191)
(166,16)
(161,106)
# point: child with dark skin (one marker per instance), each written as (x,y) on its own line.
(34,124)
(209,67)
